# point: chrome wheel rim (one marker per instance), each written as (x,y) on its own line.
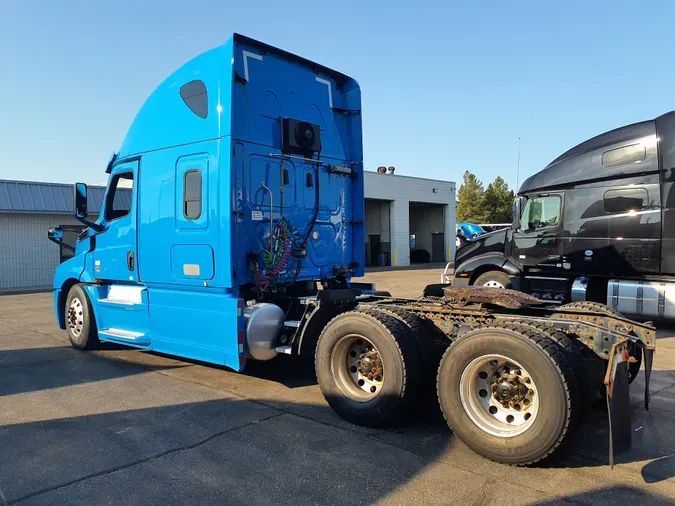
(499,395)
(356,365)
(75,317)
(493,284)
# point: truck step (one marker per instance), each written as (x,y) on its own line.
(124,294)
(126,335)
(286,350)
(124,302)
(293,324)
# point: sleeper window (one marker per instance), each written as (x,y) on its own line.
(192,194)
(196,98)
(629,199)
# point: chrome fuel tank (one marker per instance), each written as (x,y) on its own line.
(654,299)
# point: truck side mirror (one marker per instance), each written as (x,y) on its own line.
(517,209)
(81,210)
(55,234)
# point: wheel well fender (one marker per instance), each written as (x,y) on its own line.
(482,270)
(61,301)
(488,262)
(318,319)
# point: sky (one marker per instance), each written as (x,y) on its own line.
(446,86)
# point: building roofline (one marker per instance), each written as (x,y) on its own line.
(48,183)
(410,177)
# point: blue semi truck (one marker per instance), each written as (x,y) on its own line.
(232,225)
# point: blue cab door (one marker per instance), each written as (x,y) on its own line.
(116,253)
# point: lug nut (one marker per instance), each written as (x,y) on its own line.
(530,392)
(526,380)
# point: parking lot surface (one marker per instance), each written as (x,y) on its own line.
(121,426)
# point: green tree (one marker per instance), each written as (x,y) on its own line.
(498,201)
(470,202)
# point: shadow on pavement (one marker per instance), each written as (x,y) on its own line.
(35,369)
(291,371)
(610,495)
(220,451)
(652,438)
(259,451)
(588,447)
(659,470)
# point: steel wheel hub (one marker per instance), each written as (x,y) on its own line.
(357,367)
(75,318)
(369,364)
(499,395)
(493,284)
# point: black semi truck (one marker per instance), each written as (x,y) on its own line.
(596,224)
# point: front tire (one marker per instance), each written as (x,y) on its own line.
(80,319)
(508,394)
(493,279)
(368,367)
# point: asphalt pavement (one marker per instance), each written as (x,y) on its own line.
(122,426)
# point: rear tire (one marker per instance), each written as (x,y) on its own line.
(493,279)
(580,359)
(429,339)
(384,384)
(474,410)
(590,306)
(80,319)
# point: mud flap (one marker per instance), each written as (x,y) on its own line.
(618,400)
(648,354)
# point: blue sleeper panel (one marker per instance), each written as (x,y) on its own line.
(201,325)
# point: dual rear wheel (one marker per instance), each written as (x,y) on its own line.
(368,367)
(509,393)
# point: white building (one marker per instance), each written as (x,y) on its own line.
(403,214)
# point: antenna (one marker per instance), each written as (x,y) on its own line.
(518,169)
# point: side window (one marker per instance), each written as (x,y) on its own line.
(192,194)
(623,201)
(541,212)
(621,156)
(196,98)
(118,201)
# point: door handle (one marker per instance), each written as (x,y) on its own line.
(130,260)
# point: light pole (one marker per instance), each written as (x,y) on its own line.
(518,169)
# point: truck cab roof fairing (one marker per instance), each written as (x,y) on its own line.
(168,118)
(584,161)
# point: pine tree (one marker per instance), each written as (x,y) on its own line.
(498,201)
(470,202)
